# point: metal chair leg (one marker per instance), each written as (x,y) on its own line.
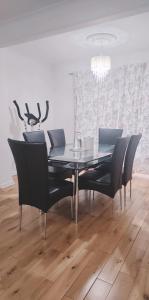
(90,195)
(89,201)
(93,195)
(72,206)
(20,217)
(120,192)
(93,202)
(124,196)
(86,195)
(73,197)
(130,189)
(45,225)
(76,196)
(112,207)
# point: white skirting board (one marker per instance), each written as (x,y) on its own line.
(146,176)
(6,183)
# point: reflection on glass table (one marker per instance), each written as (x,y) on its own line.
(65,154)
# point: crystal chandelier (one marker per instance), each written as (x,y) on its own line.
(100,66)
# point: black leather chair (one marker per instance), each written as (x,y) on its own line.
(34,136)
(57,137)
(39,137)
(35,189)
(109,135)
(129,159)
(103,182)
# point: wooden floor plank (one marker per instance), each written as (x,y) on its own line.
(64,281)
(111,269)
(87,277)
(116,260)
(121,288)
(140,290)
(136,259)
(103,257)
(98,291)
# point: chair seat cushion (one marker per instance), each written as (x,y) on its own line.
(105,166)
(59,189)
(89,175)
(101,183)
(60,173)
(106,179)
(94,174)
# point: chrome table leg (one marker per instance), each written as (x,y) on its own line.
(93,195)
(72,206)
(45,225)
(76,195)
(124,196)
(120,191)
(73,197)
(20,221)
(130,188)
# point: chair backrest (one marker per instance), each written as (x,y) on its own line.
(32,170)
(109,136)
(34,136)
(129,158)
(117,163)
(57,137)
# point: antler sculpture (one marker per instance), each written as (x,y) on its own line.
(32,120)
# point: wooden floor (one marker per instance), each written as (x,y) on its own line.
(104,257)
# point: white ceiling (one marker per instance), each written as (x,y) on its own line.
(25,20)
(16,9)
(131,31)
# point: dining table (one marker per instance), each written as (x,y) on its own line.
(78,160)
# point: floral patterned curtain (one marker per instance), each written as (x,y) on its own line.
(121,101)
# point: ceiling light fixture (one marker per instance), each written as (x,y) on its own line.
(101,65)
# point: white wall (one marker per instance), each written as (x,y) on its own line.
(26,79)
(5,178)
(22,79)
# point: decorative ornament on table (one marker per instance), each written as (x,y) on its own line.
(77,142)
(32,120)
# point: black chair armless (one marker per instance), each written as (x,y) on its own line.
(57,137)
(35,189)
(107,183)
(34,136)
(129,160)
(109,136)
(39,137)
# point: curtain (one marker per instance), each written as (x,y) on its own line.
(121,101)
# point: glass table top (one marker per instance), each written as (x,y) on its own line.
(80,156)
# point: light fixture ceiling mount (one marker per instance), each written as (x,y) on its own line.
(102,39)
